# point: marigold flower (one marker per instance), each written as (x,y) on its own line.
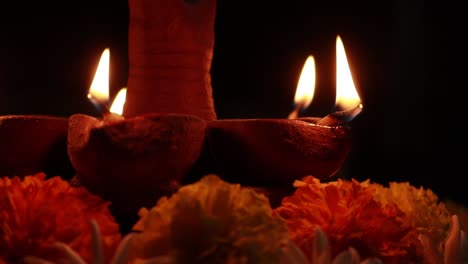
(210,221)
(36,213)
(350,215)
(422,208)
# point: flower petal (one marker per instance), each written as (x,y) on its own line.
(452,252)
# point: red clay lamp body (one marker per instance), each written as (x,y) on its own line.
(32,144)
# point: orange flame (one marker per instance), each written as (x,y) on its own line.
(119,102)
(346,93)
(99,90)
(306,85)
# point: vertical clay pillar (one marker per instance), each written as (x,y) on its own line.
(170,52)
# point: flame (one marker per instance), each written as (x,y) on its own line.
(99,90)
(119,102)
(306,85)
(346,94)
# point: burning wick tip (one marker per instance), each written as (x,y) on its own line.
(295,113)
(102,107)
(340,117)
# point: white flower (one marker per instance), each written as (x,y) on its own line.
(455,251)
(455,248)
(322,255)
(120,256)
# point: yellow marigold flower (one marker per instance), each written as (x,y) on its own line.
(348,213)
(36,213)
(210,221)
(423,210)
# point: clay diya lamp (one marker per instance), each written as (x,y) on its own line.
(134,159)
(32,144)
(132,162)
(270,154)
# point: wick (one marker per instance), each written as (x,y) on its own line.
(103,108)
(340,117)
(295,113)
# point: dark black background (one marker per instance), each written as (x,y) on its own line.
(406,58)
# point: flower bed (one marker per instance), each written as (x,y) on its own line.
(213,221)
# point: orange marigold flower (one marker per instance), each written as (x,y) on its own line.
(37,212)
(350,216)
